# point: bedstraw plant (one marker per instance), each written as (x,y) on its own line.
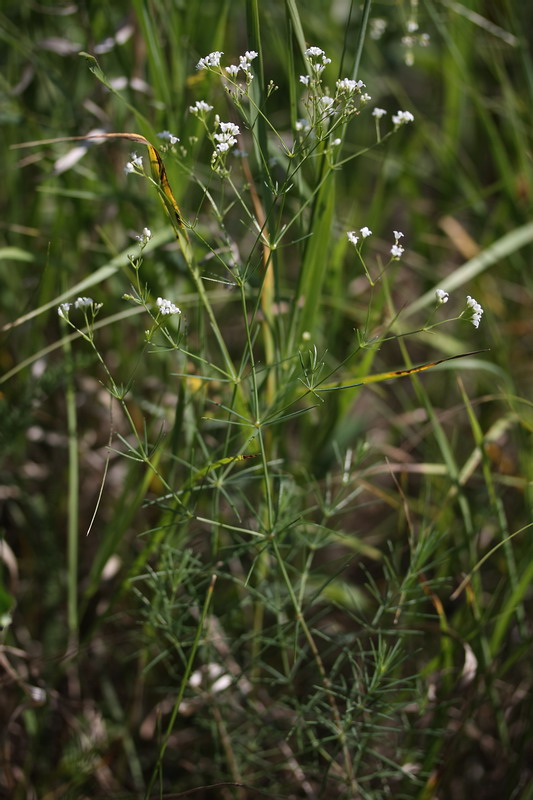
(296,569)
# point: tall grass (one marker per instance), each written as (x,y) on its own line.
(275,542)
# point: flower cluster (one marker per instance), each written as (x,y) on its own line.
(135,164)
(327,111)
(413,39)
(167,306)
(144,237)
(226,138)
(397,250)
(200,108)
(353,238)
(80,302)
(473,311)
(211,60)
(168,137)
(402,118)
(476,311)
(378,27)
(318,60)
(244,66)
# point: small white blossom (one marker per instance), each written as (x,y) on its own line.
(442,296)
(477,311)
(412,26)
(83,302)
(167,306)
(377,28)
(134,164)
(424,39)
(230,128)
(366,98)
(63,310)
(250,55)
(396,250)
(352,237)
(402,118)
(314,51)
(244,64)
(304,79)
(349,86)
(211,60)
(145,236)
(378,112)
(326,102)
(232,70)
(365,232)
(200,106)
(302,125)
(336,142)
(397,235)
(168,136)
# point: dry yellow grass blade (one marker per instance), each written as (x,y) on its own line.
(159,173)
(385,376)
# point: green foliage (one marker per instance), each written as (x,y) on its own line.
(275,540)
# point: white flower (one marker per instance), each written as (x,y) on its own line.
(366,98)
(378,112)
(200,106)
(226,138)
(63,310)
(477,311)
(168,136)
(377,27)
(314,51)
(365,232)
(302,125)
(412,26)
(396,250)
(134,164)
(349,86)
(211,60)
(145,236)
(229,127)
(233,69)
(304,79)
(352,237)
(442,296)
(402,118)
(250,55)
(83,302)
(167,306)
(244,64)
(336,142)
(397,235)
(326,102)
